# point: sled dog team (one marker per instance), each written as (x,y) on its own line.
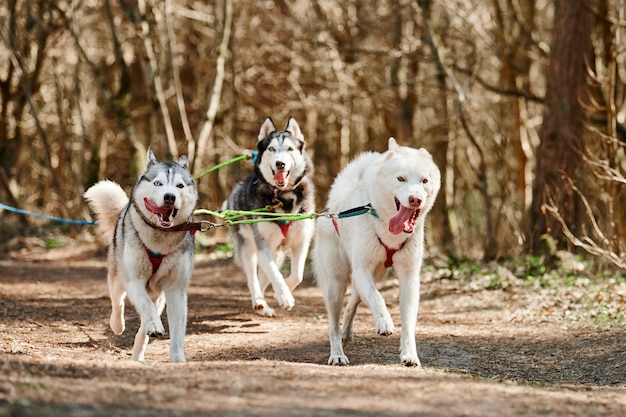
(150,256)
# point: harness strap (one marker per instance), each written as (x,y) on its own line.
(390,252)
(284,227)
(336,224)
(155,259)
(360,210)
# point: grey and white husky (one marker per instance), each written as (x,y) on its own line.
(281,178)
(148,259)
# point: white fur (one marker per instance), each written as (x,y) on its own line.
(357,255)
(129,268)
(262,262)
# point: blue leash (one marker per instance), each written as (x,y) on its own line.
(43,216)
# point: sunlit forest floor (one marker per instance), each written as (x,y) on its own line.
(513,338)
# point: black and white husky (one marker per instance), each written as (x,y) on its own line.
(281,178)
(401,185)
(148,259)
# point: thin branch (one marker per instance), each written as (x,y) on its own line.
(207,127)
(156,80)
(586,243)
(590,214)
(502,91)
(602,16)
(180,101)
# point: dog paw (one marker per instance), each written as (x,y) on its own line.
(410,359)
(262,309)
(338,360)
(177,357)
(285,299)
(155,329)
(384,326)
(117,323)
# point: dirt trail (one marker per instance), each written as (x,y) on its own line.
(480,356)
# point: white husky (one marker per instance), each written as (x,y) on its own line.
(400,186)
(151,251)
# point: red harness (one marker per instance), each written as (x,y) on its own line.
(389,251)
(284,227)
(155,259)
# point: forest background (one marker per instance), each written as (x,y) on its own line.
(521,103)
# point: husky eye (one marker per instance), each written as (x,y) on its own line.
(402,179)
(157,183)
(181,185)
(424,180)
(290,149)
(271,149)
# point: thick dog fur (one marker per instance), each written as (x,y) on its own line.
(147,262)
(281,175)
(401,185)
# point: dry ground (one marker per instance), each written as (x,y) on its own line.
(483,353)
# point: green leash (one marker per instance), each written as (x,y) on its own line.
(234,217)
(223,164)
(265,214)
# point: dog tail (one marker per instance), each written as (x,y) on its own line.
(107,199)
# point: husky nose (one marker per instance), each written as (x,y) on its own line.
(415,201)
(280,165)
(169,199)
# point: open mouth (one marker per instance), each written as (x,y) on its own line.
(280,178)
(166,214)
(404,220)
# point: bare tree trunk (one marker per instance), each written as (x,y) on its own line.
(559,156)
(440,220)
(481,169)
(153,72)
(214,103)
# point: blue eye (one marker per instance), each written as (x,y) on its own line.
(271,149)
(157,183)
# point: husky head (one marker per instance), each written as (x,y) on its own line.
(165,192)
(412,181)
(281,161)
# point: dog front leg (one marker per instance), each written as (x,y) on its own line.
(141,338)
(298,262)
(281,290)
(141,343)
(409,306)
(176,298)
(249,264)
(138,296)
(363,281)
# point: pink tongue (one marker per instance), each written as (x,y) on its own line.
(279,177)
(153,208)
(397,222)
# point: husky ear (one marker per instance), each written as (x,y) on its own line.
(150,158)
(294,129)
(183,162)
(393,145)
(266,128)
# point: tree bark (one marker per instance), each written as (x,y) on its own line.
(559,155)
